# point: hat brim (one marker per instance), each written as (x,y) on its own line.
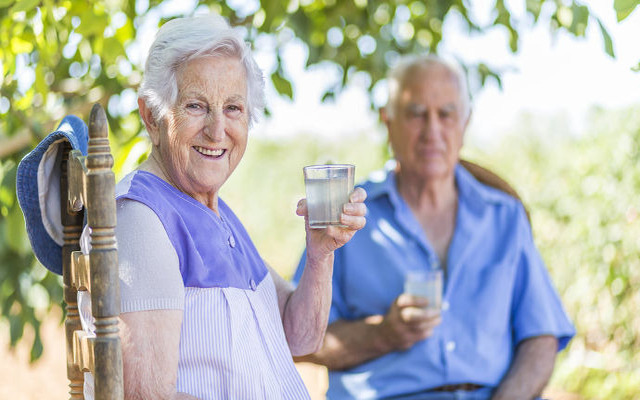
(45,247)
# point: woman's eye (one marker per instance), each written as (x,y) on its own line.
(234,108)
(195,106)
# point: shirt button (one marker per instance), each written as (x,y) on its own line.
(445,305)
(232,241)
(451,346)
(252,283)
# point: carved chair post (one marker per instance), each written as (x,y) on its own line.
(88,184)
(105,284)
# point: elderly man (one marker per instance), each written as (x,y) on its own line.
(501,321)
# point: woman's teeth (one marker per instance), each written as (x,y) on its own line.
(207,152)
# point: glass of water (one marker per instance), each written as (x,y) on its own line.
(328,188)
(427,284)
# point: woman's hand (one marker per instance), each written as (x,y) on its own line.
(306,310)
(322,242)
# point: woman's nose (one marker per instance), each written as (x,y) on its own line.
(214,127)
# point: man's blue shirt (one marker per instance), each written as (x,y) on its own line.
(496,294)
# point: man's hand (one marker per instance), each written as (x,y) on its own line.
(408,321)
(350,343)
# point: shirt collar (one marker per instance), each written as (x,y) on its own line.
(471,192)
(383,182)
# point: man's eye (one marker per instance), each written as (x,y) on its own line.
(194,106)
(446,115)
(416,114)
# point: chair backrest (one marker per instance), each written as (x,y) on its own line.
(489,178)
(87,189)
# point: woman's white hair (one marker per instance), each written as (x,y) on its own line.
(184,39)
(409,64)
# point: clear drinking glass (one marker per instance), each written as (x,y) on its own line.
(328,188)
(427,284)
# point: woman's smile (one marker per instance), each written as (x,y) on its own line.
(210,153)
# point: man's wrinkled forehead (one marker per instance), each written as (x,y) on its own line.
(431,72)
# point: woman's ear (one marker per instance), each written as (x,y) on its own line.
(149,121)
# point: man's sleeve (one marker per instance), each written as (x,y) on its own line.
(536,308)
(337,301)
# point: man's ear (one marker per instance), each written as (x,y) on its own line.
(386,120)
(466,123)
(384,116)
(149,122)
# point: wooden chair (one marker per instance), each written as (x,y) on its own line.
(87,186)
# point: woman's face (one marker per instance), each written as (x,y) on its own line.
(204,136)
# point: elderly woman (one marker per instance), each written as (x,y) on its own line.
(202,315)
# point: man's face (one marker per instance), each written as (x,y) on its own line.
(428,123)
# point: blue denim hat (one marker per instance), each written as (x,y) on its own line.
(38,189)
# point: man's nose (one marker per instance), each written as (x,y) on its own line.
(214,127)
(431,126)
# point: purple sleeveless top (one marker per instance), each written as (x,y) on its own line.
(214,251)
(232,343)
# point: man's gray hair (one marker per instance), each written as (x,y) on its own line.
(409,64)
(184,39)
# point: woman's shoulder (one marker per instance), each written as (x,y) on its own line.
(138,217)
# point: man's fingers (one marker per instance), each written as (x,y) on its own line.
(412,315)
(408,300)
(419,318)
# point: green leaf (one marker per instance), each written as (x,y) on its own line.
(19,45)
(580,19)
(534,7)
(16,233)
(91,23)
(126,32)
(25,5)
(329,95)
(112,49)
(16,328)
(513,40)
(608,43)
(40,84)
(624,8)
(36,348)
(282,85)
(6,3)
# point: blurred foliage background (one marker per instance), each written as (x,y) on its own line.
(59,57)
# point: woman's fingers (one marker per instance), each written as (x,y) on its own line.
(357,209)
(359,195)
(354,222)
(301,209)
